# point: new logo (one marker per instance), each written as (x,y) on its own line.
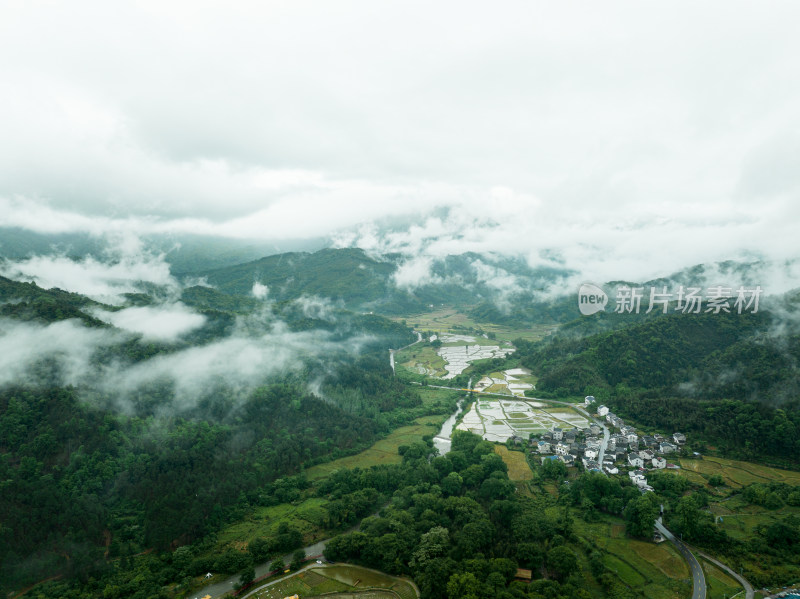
(591,299)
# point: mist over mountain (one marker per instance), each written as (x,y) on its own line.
(240,242)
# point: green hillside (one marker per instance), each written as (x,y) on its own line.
(348,275)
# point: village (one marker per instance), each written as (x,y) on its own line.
(625,449)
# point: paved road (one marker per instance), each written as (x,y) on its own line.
(392,352)
(698,578)
(601,423)
(748,588)
(218,589)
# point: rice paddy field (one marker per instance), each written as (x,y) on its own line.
(498,419)
(342,581)
(514,381)
(455,355)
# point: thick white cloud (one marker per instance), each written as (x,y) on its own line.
(255,351)
(624,139)
(260,291)
(125,268)
(67,343)
(160,323)
(239,361)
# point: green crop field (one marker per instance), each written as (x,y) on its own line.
(740,519)
(739,474)
(657,569)
(430,395)
(307,517)
(518,467)
(382,452)
(719,583)
(421,359)
(346,580)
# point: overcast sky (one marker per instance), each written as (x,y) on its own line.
(629,138)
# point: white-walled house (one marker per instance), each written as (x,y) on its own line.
(666,447)
(659,462)
(637,479)
(543,447)
(562,449)
(602,411)
(635,461)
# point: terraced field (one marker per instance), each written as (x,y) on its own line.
(657,570)
(738,474)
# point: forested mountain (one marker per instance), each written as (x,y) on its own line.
(732,379)
(149,425)
(105,451)
(368,282)
(713,355)
(183,252)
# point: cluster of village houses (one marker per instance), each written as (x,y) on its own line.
(625,447)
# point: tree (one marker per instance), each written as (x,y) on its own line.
(686,519)
(248,576)
(259,549)
(464,586)
(451,484)
(554,469)
(561,562)
(298,557)
(434,543)
(278,565)
(640,516)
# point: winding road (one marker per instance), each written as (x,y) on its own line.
(698,578)
(218,589)
(749,593)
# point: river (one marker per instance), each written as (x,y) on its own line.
(442,441)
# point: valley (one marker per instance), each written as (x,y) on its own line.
(347,456)
(399,301)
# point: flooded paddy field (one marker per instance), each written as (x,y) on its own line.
(454,356)
(498,419)
(460,350)
(514,381)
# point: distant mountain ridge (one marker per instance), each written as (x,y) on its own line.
(363,281)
